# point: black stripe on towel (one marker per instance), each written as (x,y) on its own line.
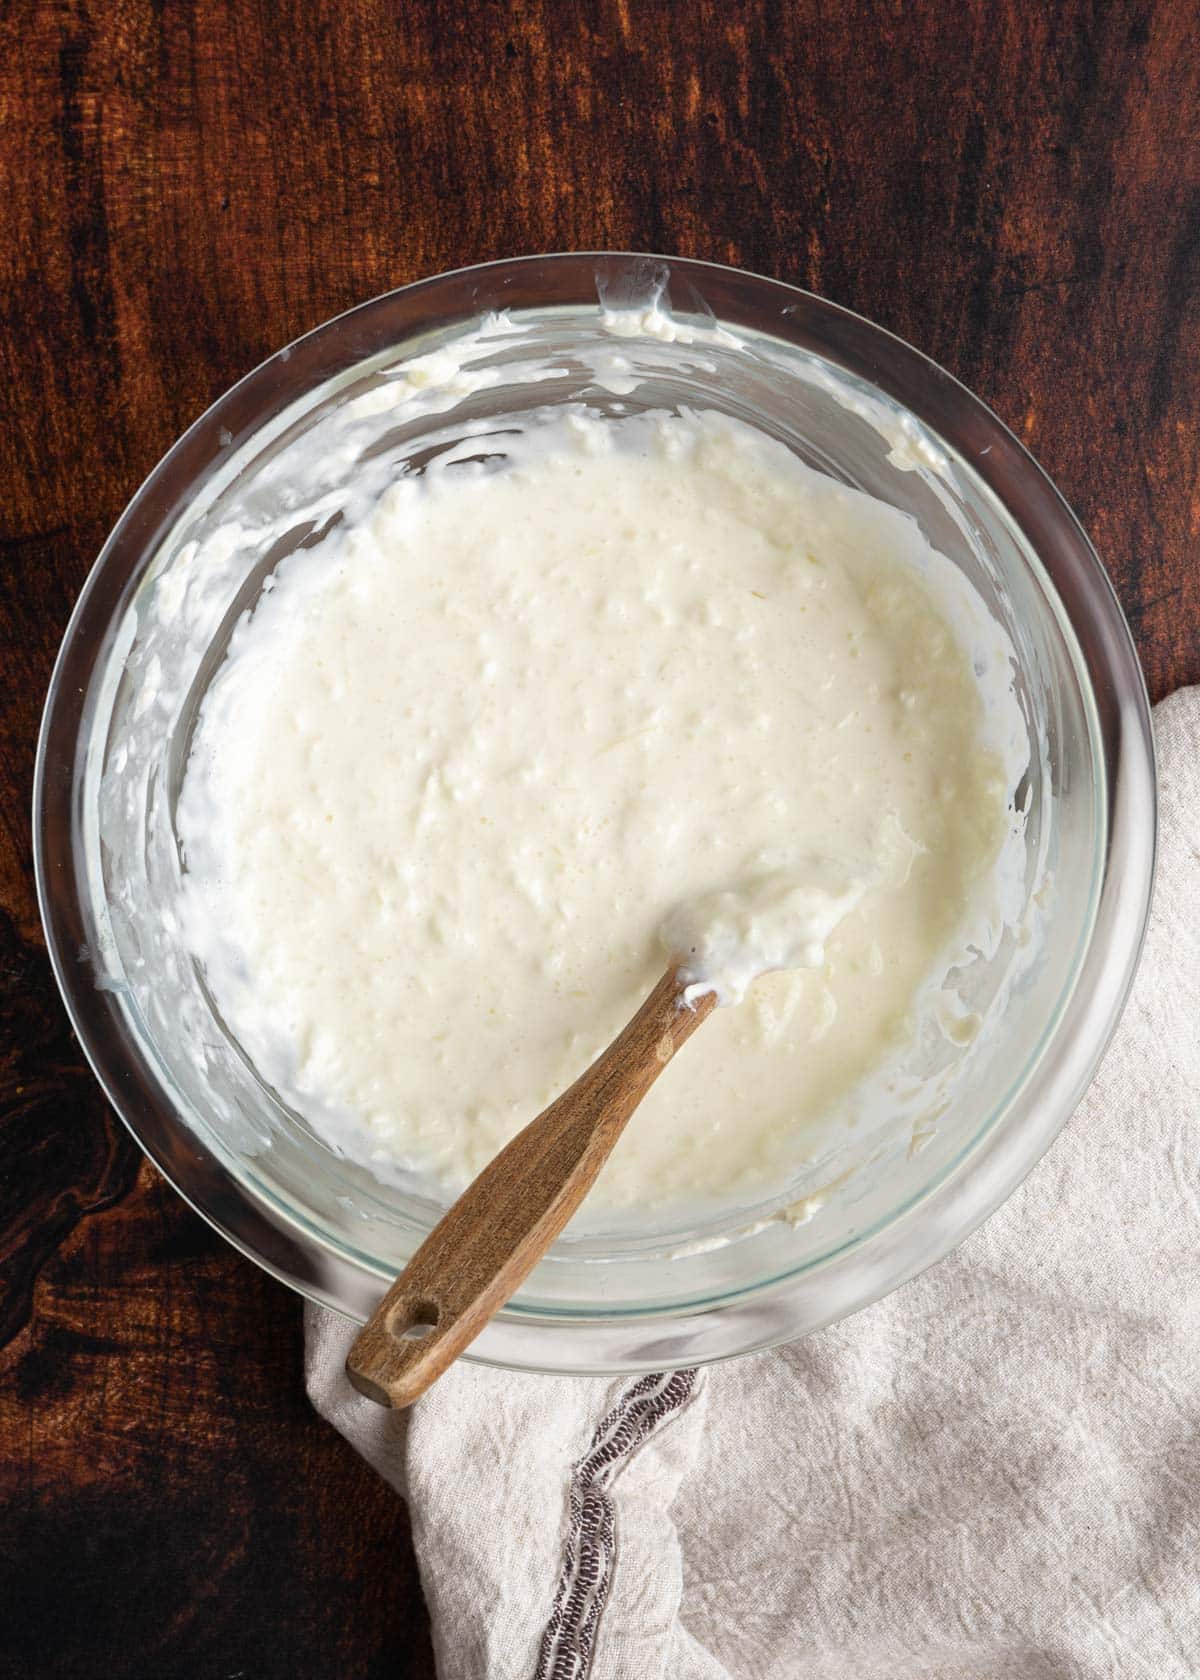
(566,1649)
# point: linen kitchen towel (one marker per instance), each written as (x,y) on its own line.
(992,1474)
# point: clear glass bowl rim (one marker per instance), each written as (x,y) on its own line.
(916,1236)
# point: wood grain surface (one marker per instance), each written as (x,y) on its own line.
(1013,187)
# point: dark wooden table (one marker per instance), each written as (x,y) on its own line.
(1013,187)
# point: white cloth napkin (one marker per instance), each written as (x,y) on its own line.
(993,1474)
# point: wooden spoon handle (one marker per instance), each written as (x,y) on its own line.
(502,1224)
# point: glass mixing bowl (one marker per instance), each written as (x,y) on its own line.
(151,627)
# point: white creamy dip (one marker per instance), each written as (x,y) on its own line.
(520,724)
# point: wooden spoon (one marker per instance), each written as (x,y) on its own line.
(499,1228)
